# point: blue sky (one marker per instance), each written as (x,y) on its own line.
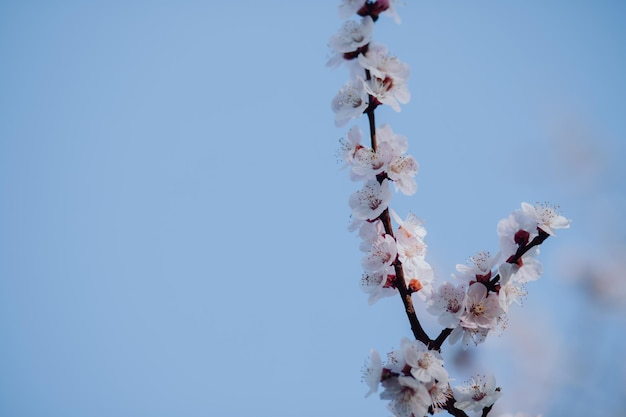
(173,217)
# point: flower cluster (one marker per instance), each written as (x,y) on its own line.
(480,301)
(377,77)
(414,379)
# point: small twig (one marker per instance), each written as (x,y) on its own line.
(400,283)
(436,344)
(452,410)
(486,410)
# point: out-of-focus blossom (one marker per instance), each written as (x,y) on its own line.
(373,372)
(348,8)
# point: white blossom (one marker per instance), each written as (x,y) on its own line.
(350,144)
(399,143)
(369,163)
(426,365)
(482,308)
(419,277)
(479,270)
(546,216)
(526,270)
(369,202)
(381,65)
(372,374)
(510,290)
(402,171)
(408,397)
(352,35)
(350,102)
(349,7)
(369,232)
(447,304)
(388,91)
(379,284)
(467,335)
(478,393)
(381,255)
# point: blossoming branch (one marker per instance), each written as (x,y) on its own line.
(413,378)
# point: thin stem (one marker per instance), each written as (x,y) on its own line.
(521,251)
(486,410)
(436,344)
(537,240)
(370,114)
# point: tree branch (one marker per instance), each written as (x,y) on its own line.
(400,282)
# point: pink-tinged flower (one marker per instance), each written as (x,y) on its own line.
(408,397)
(482,308)
(546,216)
(522,226)
(350,144)
(478,271)
(411,246)
(510,290)
(399,143)
(350,102)
(382,65)
(411,227)
(352,36)
(369,202)
(349,7)
(369,232)
(381,255)
(440,393)
(426,365)
(478,393)
(388,91)
(526,270)
(372,374)
(402,171)
(418,273)
(447,304)
(369,163)
(379,284)
(468,335)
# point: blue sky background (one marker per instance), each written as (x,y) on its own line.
(173,218)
